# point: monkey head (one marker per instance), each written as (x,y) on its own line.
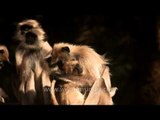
(30,33)
(64,62)
(4,55)
(30,25)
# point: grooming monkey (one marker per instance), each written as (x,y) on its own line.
(4,56)
(30,63)
(64,63)
(80,73)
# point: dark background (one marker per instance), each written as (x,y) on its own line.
(131,43)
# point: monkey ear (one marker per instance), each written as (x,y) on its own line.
(65,49)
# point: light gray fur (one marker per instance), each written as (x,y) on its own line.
(34,82)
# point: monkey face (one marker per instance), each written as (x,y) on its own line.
(31,38)
(65,62)
(30,31)
(4,55)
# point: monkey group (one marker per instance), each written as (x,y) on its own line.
(65,74)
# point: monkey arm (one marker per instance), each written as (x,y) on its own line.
(3,95)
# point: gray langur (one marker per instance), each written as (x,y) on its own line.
(4,56)
(80,76)
(31,65)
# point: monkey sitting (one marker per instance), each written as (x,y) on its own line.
(31,26)
(4,57)
(80,71)
(30,63)
(67,72)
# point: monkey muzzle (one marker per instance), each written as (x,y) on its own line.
(31,38)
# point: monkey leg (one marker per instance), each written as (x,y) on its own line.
(30,89)
(22,97)
(53,96)
(27,88)
(46,85)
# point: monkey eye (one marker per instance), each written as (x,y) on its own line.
(1,51)
(25,27)
(65,49)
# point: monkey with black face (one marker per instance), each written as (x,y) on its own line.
(4,57)
(81,71)
(30,63)
(26,29)
(66,70)
(64,63)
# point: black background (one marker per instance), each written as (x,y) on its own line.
(129,41)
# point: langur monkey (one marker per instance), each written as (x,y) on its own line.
(81,76)
(4,56)
(34,84)
(33,26)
